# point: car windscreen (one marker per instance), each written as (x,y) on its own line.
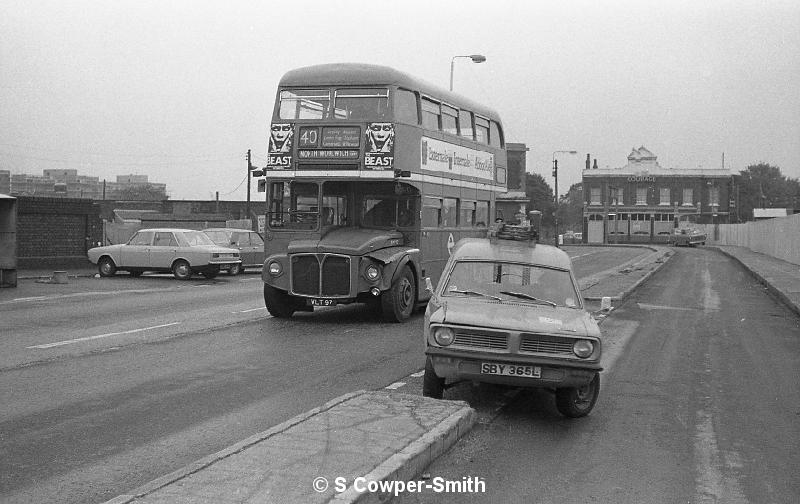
(512,281)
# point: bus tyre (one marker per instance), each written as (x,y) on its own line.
(398,302)
(278,303)
(576,402)
(432,385)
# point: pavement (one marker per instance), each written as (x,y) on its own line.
(367,437)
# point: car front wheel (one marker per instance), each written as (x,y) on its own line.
(181,270)
(432,385)
(576,402)
(106,267)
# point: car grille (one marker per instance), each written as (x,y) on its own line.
(542,344)
(481,339)
(320,275)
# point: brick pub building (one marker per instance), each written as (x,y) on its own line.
(642,202)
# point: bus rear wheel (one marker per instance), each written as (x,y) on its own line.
(398,302)
(279,304)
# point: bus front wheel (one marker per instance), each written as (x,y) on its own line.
(279,304)
(398,302)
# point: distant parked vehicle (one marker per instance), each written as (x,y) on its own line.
(249,244)
(688,237)
(180,251)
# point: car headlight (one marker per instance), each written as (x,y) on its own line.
(373,272)
(444,336)
(583,348)
(275,268)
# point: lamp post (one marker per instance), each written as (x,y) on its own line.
(476,58)
(555,176)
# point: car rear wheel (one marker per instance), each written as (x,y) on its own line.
(432,385)
(181,270)
(106,267)
(576,402)
(398,302)
(279,304)
(235,269)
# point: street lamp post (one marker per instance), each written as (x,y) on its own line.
(555,176)
(476,58)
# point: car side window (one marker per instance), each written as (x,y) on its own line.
(142,238)
(255,239)
(165,240)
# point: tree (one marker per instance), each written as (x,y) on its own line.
(540,197)
(570,208)
(764,186)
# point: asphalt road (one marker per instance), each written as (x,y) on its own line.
(109,383)
(701,406)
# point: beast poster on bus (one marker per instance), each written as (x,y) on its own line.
(279,154)
(379,152)
(456,160)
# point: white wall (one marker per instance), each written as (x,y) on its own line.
(778,237)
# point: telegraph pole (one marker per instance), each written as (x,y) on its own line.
(249,168)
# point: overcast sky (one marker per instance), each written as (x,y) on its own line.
(179,91)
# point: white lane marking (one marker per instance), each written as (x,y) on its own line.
(645,306)
(84,294)
(395,385)
(88,338)
(250,310)
(418,374)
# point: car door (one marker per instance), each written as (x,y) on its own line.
(257,255)
(164,250)
(136,253)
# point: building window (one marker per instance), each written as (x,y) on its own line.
(664,195)
(641,196)
(687,197)
(713,196)
(594,196)
(617,196)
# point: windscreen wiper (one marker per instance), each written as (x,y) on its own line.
(475,293)
(522,295)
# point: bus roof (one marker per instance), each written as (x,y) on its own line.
(363,74)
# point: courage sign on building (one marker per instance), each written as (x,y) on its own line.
(456,160)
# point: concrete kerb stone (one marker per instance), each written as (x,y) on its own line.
(198,465)
(409,462)
(765,282)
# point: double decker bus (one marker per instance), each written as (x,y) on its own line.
(372,176)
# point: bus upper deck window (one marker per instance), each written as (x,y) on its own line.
(362,104)
(481,130)
(449,120)
(430,114)
(405,107)
(305,104)
(495,135)
(465,123)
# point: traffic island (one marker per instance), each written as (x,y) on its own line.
(338,453)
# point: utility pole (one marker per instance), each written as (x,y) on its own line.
(555,207)
(249,168)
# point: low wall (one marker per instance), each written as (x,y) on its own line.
(778,237)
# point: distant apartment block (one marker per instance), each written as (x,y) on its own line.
(67,183)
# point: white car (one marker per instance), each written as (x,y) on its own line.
(180,251)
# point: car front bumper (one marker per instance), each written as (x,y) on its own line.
(457,366)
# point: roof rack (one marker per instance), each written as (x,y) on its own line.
(514,232)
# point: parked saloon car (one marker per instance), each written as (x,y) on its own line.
(688,237)
(180,251)
(510,312)
(249,244)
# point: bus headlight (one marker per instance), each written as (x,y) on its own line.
(583,348)
(444,336)
(373,273)
(275,268)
